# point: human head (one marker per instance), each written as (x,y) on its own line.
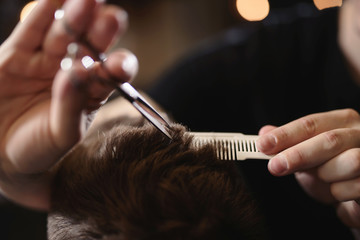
(128,182)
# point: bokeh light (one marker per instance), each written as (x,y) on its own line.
(27,9)
(253,10)
(322,4)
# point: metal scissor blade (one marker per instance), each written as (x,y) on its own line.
(139,102)
(154,121)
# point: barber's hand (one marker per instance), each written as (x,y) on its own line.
(44,109)
(323,150)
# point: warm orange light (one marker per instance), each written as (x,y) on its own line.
(27,9)
(322,4)
(253,10)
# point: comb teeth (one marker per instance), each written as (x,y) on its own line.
(230,146)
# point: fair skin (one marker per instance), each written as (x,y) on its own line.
(44,109)
(323,149)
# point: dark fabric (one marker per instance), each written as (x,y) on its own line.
(272,72)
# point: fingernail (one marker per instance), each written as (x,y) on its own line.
(130,65)
(278,165)
(266,143)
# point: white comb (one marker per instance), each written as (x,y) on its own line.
(230,146)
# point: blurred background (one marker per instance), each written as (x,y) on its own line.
(163,30)
(160,32)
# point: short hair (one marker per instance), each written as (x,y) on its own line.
(129,182)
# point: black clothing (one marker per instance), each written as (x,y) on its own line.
(272,72)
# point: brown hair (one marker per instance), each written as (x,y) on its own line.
(128,182)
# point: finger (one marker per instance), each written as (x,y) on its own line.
(69,99)
(98,25)
(120,66)
(346,190)
(29,34)
(266,129)
(305,128)
(76,20)
(315,187)
(53,132)
(345,166)
(314,152)
(110,22)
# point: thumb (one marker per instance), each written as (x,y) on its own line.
(67,114)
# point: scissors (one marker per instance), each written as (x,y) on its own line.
(125,89)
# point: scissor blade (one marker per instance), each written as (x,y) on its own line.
(161,127)
(134,95)
(139,102)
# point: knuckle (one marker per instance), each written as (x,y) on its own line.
(282,134)
(332,140)
(309,124)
